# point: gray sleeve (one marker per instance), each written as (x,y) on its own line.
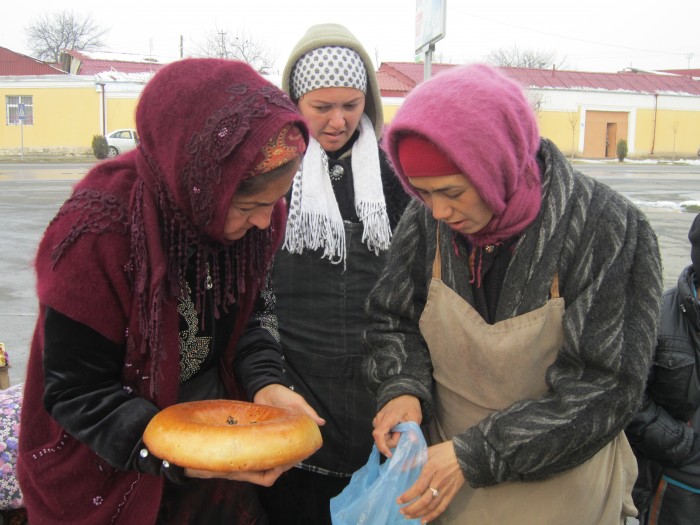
(398,361)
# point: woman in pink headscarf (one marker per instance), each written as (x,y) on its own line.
(148,283)
(515,318)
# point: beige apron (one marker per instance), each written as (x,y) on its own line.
(481,368)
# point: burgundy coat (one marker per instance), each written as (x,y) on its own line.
(113,258)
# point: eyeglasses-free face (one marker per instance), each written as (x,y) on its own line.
(332,114)
(455,201)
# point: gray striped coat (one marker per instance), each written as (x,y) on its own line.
(607,258)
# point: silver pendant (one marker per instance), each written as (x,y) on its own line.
(337,172)
(208,282)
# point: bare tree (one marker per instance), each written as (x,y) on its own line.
(536,100)
(574,118)
(530,58)
(51,33)
(239,45)
(675,132)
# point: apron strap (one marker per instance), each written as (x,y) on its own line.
(554,290)
(437,266)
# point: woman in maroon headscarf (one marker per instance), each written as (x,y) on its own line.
(149,285)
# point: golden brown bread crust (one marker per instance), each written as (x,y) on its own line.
(226,436)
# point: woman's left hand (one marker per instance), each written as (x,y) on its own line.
(260,477)
(281,396)
(437,485)
(398,410)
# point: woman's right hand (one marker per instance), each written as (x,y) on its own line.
(399,410)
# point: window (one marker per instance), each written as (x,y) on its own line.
(13,105)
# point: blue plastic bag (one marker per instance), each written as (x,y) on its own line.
(370,497)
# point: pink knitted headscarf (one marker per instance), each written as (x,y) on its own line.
(482,122)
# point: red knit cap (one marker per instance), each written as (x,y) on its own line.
(421,158)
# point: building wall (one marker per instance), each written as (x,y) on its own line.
(65,118)
(121,113)
(390,106)
(650,121)
(65,113)
(668,133)
(561,127)
(68,112)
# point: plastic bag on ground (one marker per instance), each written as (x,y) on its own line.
(370,497)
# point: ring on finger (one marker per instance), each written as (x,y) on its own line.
(435,492)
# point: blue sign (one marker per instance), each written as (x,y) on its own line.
(21,112)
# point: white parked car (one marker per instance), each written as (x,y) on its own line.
(121,140)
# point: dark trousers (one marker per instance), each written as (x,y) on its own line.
(300,497)
(210,501)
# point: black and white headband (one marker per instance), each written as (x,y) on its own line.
(331,66)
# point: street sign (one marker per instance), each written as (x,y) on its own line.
(431,20)
(21,112)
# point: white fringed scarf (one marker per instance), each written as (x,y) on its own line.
(314,217)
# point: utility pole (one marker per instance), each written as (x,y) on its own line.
(222,49)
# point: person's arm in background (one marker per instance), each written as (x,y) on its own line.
(397,365)
(663,438)
(259,362)
(667,427)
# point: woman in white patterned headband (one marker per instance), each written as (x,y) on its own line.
(344,205)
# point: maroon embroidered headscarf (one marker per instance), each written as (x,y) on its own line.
(202,125)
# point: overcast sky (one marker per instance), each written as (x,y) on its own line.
(591,35)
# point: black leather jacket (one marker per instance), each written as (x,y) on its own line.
(665,434)
(85,395)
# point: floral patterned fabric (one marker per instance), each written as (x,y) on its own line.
(10,408)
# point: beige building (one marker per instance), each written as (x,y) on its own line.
(586,114)
(52,111)
(63,113)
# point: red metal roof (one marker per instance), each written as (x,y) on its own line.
(626,81)
(409,72)
(17,64)
(686,72)
(390,85)
(91,63)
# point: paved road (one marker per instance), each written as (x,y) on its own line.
(662,192)
(26,207)
(30,195)
(28,171)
